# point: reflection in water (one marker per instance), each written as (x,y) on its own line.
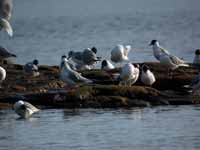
(148,128)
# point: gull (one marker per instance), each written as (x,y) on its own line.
(5,25)
(24,109)
(4,54)
(158,51)
(129,74)
(147,77)
(84,59)
(77,58)
(64,58)
(5,15)
(31,68)
(2,75)
(197,57)
(120,53)
(106,65)
(70,76)
(170,61)
(89,56)
(6,9)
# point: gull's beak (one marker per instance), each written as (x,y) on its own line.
(150,44)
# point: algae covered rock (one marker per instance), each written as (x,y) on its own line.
(48,90)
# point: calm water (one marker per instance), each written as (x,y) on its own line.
(174,128)
(49,28)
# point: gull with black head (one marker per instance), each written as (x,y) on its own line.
(31,68)
(197,57)
(106,65)
(147,77)
(170,61)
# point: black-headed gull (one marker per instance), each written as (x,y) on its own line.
(31,68)
(147,77)
(197,57)
(106,65)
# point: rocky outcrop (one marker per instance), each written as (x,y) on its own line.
(47,90)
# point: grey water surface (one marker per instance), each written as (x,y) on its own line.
(164,128)
(47,29)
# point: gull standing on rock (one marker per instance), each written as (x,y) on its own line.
(159,51)
(64,58)
(197,57)
(5,15)
(147,77)
(24,109)
(120,53)
(2,75)
(106,65)
(129,74)
(4,54)
(70,76)
(31,68)
(170,61)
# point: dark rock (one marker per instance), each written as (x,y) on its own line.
(48,90)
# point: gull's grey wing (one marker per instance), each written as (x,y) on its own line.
(89,57)
(77,77)
(176,60)
(5,54)
(77,55)
(164,50)
(73,75)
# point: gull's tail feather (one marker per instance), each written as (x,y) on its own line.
(7,27)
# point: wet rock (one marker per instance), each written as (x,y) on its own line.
(48,90)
